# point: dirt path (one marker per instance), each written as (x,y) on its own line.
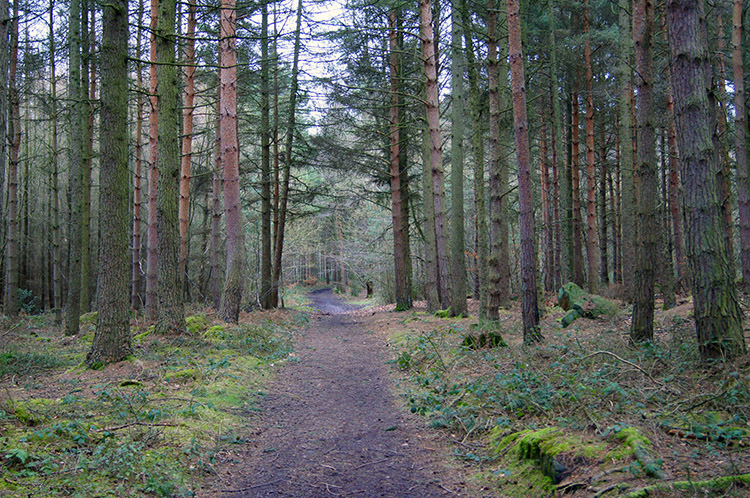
(330,424)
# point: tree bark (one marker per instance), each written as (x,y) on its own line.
(75,161)
(56,233)
(549,272)
(152,271)
(234,278)
(87,82)
(575,176)
(112,336)
(187,144)
(499,265)
(740,143)
(592,255)
(403,293)
(529,306)
(718,316)
(458,103)
(436,152)
(135,285)
(14,136)
(642,327)
(265,168)
(477,140)
(216,188)
(170,315)
(627,173)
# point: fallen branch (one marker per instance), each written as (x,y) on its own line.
(627,362)
(256,486)
(714,484)
(131,424)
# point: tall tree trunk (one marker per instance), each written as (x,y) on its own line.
(549,272)
(216,282)
(234,278)
(626,151)
(563,199)
(529,309)
(403,293)
(592,255)
(265,169)
(603,218)
(274,300)
(674,176)
(718,316)
(87,80)
(152,271)
(135,285)
(477,140)
(288,159)
(431,268)
(436,152)
(112,336)
(56,235)
(75,161)
(170,315)
(575,176)
(5,27)
(664,241)
(617,206)
(740,143)
(458,102)
(725,174)
(499,265)
(187,145)
(14,134)
(642,327)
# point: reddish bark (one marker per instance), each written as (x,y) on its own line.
(591,245)
(187,142)
(152,272)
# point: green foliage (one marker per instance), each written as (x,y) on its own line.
(27,301)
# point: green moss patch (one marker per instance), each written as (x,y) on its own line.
(534,461)
(196,324)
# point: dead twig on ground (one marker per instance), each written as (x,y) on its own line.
(627,362)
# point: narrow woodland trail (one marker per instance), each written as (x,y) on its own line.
(330,425)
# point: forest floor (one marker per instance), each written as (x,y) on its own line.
(346,398)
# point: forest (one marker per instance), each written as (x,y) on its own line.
(532,218)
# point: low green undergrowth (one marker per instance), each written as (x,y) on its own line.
(156,425)
(582,386)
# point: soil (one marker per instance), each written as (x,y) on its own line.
(331,427)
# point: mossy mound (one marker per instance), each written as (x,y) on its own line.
(88,318)
(534,461)
(196,324)
(185,375)
(578,303)
(217,333)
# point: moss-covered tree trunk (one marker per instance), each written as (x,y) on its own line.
(170,315)
(112,337)
(718,316)
(529,306)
